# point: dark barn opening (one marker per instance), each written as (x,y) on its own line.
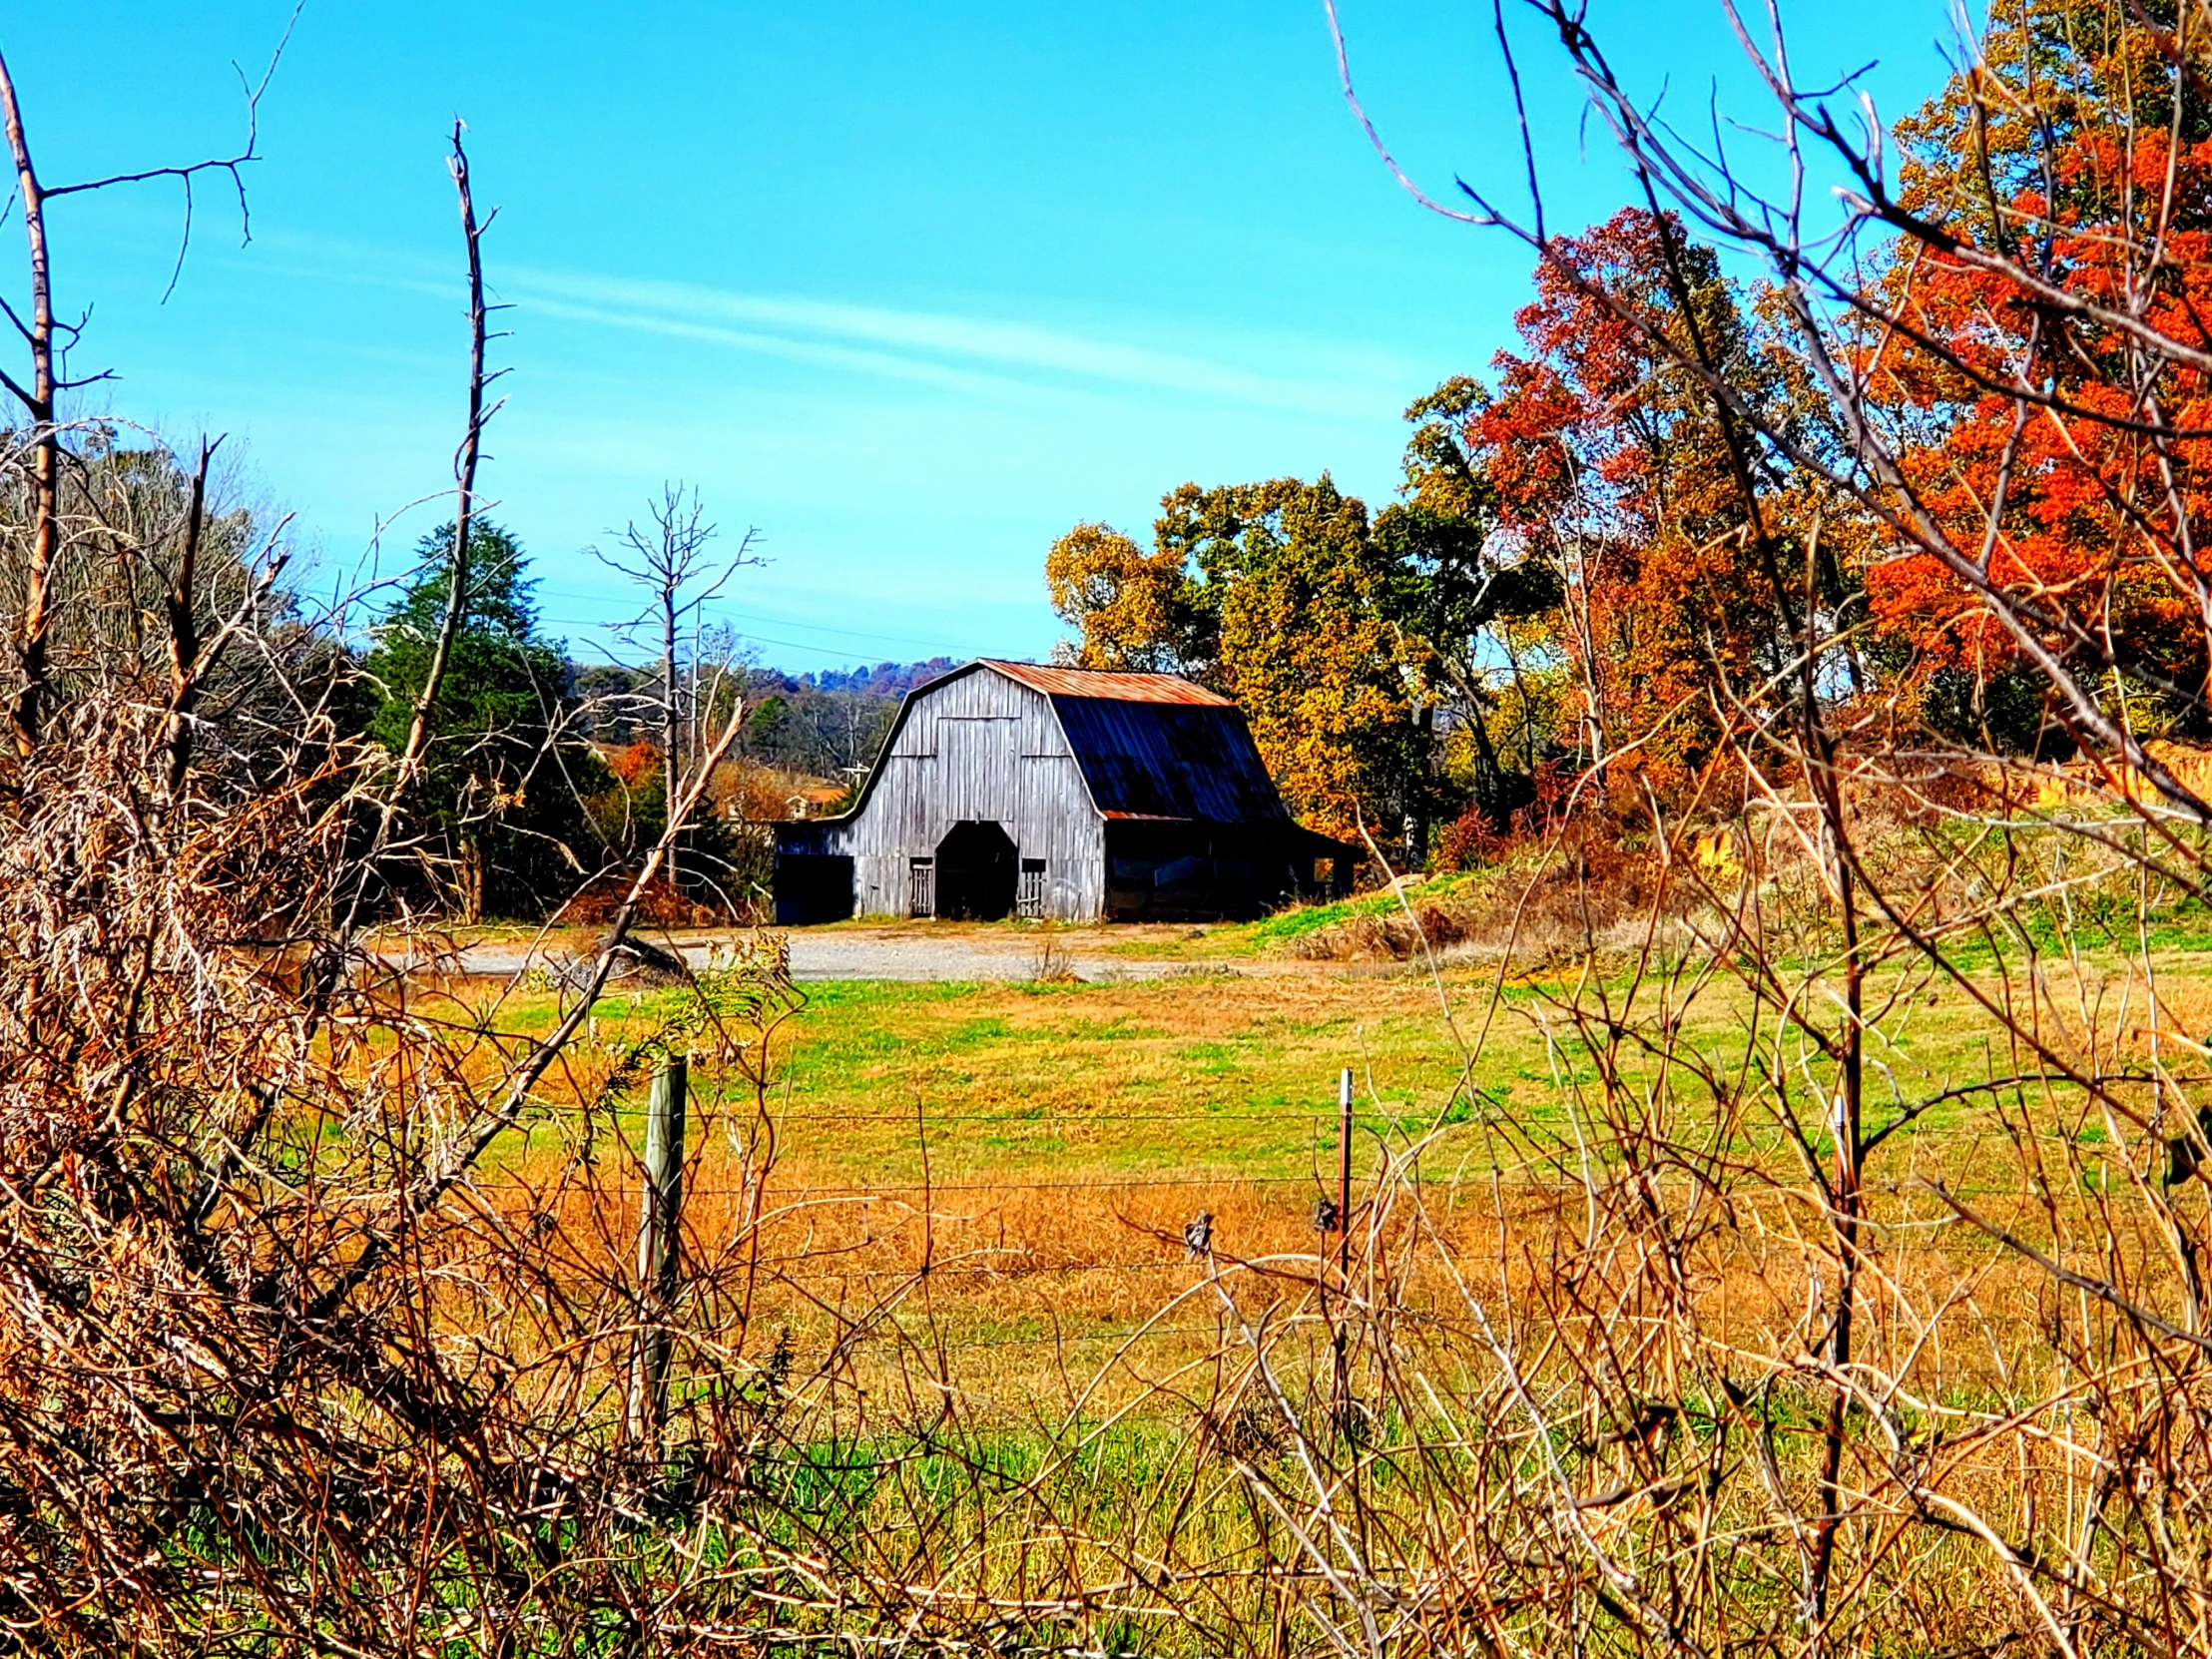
(812,888)
(977,872)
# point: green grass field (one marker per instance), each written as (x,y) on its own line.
(1233,1076)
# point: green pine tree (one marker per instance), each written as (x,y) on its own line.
(498,796)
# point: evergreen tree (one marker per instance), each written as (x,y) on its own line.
(498,796)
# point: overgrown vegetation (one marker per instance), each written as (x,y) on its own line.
(1777,1215)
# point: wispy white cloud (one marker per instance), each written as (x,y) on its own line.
(978,355)
(935,347)
(826,355)
(911,464)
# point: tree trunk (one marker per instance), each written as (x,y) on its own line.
(472,879)
(671,768)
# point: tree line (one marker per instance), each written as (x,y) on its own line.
(538,770)
(1602,560)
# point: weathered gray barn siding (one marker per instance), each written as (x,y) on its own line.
(980,747)
(1141,795)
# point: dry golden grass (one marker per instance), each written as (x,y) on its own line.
(952,1224)
(1014,1165)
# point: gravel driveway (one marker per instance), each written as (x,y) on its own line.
(910,954)
(922,951)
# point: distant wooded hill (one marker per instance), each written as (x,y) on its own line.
(891,680)
(821,724)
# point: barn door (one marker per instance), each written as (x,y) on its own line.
(921,887)
(977,872)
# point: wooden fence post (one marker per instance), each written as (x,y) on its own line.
(659,1227)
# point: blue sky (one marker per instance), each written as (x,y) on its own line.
(910,288)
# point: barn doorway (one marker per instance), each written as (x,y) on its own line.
(977,872)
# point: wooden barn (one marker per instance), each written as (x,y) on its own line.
(1006,789)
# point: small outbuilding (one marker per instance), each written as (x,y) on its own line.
(1008,788)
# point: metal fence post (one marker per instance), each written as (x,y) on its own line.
(659,1230)
(1344,1177)
(1343,1247)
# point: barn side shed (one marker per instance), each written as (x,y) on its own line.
(1010,788)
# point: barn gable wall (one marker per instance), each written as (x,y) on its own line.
(978,746)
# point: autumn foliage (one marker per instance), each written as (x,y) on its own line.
(1278,594)
(1609,461)
(1654,495)
(1580,569)
(2083,504)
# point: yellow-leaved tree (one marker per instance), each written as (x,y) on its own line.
(1298,597)
(1129,608)
(1276,594)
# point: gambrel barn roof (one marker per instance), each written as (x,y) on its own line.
(1152,745)
(1149,746)
(1013,789)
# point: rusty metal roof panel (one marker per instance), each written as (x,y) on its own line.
(1144,758)
(1110,686)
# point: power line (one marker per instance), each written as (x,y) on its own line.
(850,633)
(816,645)
(936,645)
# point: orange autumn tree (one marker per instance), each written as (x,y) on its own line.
(2044,435)
(1608,460)
(1592,521)
(1587,520)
